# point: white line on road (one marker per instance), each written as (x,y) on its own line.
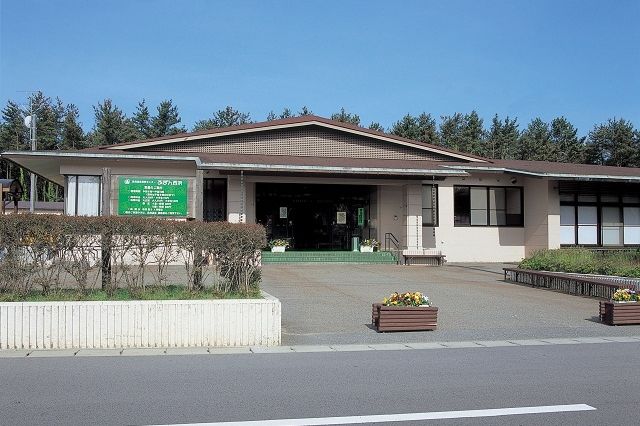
(408,417)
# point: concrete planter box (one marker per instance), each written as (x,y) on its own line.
(404,318)
(366,249)
(619,313)
(140,323)
(277,249)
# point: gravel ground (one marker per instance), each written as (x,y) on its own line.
(331,304)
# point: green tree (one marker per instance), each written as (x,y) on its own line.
(14,135)
(223,118)
(535,142)
(376,126)
(568,148)
(463,132)
(72,134)
(614,143)
(346,117)
(166,120)
(421,128)
(111,125)
(304,111)
(142,121)
(502,139)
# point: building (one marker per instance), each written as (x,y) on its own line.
(319,183)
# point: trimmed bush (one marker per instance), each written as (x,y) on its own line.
(35,250)
(585,261)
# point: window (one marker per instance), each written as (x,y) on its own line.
(607,219)
(83,196)
(487,206)
(429,205)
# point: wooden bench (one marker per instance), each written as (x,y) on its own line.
(439,258)
(600,287)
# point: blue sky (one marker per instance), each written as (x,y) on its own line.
(580,59)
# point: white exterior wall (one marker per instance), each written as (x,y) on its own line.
(236,203)
(413,217)
(492,243)
(475,244)
(391,212)
(140,323)
(542,215)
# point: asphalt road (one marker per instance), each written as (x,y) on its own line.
(213,388)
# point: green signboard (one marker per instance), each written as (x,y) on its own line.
(361,217)
(146,196)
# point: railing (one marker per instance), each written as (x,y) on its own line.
(392,245)
(583,285)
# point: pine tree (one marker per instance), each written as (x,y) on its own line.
(568,147)
(421,128)
(346,117)
(14,135)
(614,143)
(376,126)
(165,122)
(142,121)
(304,111)
(223,118)
(111,125)
(535,142)
(72,133)
(502,139)
(450,130)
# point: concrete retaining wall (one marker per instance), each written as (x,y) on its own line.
(140,323)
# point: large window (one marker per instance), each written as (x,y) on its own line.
(429,205)
(83,196)
(487,206)
(599,219)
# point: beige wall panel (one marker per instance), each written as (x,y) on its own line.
(306,142)
(391,212)
(129,167)
(476,244)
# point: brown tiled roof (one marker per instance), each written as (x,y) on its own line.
(289,121)
(552,168)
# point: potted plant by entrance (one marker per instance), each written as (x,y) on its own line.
(367,246)
(411,311)
(278,246)
(623,308)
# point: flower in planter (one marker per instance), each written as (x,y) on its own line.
(370,243)
(279,243)
(407,299)
(626,295)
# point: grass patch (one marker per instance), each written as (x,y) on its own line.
(169,292)
(583,261)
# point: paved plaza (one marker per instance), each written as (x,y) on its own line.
(331,304)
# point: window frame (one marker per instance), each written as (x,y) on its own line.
(488,209)
(436,207)
(75,201)
(575,203)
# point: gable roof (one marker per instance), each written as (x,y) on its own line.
(293,122)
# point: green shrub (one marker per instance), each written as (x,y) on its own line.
(585,261)
(37,249)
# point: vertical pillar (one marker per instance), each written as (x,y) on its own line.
(243,198)
(199,195)
(413,217)
(106,192)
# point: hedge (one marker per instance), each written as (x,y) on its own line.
(37,250)
(585,261)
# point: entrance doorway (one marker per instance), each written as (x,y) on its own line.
(314,216)
(214,206)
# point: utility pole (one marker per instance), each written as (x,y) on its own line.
(34,146)
(32,132)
